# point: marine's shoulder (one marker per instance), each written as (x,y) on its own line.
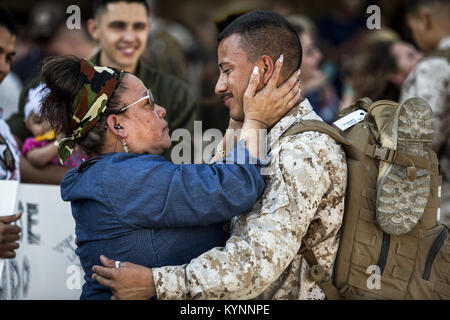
(311,149)
(312,140)
(431,64)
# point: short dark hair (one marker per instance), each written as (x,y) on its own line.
(7,20)
(98,6)
(267,33)
(414,5)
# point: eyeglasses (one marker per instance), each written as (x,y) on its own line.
(8,159)
(150,98)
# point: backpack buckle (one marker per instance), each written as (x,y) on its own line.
(383,154)
(317,273)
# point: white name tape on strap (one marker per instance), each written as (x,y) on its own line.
(350,120)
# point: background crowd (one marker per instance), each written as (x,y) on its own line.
(395,51)
(343,59)
(183,42)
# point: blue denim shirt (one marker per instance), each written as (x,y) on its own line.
(146,210)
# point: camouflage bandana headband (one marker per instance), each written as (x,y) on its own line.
(99,84)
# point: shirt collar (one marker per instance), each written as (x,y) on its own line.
(445,43)
(293,116)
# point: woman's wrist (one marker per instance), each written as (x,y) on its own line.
(234,124)
(253,123)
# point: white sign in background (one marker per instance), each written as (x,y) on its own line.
(8,190)
(46,266)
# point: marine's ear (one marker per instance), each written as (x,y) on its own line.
(266,65)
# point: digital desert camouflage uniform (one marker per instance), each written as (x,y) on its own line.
(261,258)
(431,80)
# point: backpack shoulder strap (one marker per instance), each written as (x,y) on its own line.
(317,273)
(317,126)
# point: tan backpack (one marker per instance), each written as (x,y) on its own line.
(415,265)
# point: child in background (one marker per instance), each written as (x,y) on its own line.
(42,149)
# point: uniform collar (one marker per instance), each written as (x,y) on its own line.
(293,116)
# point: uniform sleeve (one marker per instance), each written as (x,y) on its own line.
(263,243)
(430,82)
(155,193)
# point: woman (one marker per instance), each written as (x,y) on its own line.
(381,69)
(315,86)
(127,200)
